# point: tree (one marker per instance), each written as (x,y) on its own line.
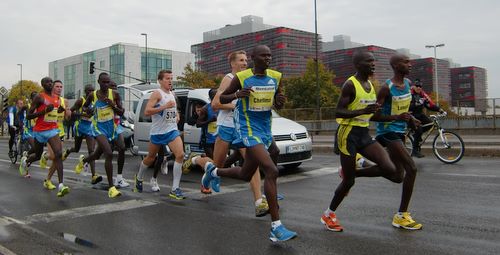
(28,87)
(197,79)
(301,91)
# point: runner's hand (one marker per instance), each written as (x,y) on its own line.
(60,109)
(170,104)
(49,108)
(404,116)
(371,108)
(244,92)
(110,102)
(280,100)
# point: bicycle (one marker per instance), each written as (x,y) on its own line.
(447,146)
(21,145)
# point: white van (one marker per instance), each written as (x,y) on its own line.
(291,138)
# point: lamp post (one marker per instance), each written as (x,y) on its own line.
(21,81)
(318,91)
(435,69)
(146,37)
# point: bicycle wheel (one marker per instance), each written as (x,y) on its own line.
(450,149)
(14,153)
(408,143)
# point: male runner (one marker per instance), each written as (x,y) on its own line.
(28,126)
(103,104)
(45,108)
(207,121)
(162,108)
(395,98)
(257,90)
(83,129)
(119,145)
(356,105)
(226,133)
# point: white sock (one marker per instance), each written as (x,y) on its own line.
(142,169)
(193,160)
(275,224)
(61,185)
(177,175)
(400,214)
(258,201)
(119,177)
(328,211)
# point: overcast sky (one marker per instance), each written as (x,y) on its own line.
(36,32)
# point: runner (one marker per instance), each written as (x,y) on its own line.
(119,145)
(61,116)
(395,98)
(162,108)
(356,105)
(226,133)
(257,90)
(103,104)
(45,108)
(28,126)
(83,130)
(207,121)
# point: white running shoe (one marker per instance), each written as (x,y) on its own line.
(121,183)
(154,185)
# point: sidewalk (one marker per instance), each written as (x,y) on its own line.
(475,145)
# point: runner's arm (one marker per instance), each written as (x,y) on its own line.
(216,104)
(37,101)
(347,95)
(150,106)
(117,106)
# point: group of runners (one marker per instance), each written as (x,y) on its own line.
(238,117)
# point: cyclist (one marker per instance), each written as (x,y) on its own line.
(419,100)
(14,122)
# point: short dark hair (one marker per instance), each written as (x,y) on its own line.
(102,74)
(211,93)
(359,55)
(45,79)
(162,73)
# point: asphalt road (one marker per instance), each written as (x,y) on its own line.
(458,205)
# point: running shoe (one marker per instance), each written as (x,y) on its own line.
(23,169)
(262,209)
(216,180)
(113,192)
(188,163)
(137,184)
(177,194)
(331,222)
(65,154)
(27,175)
(43,160)
(405,221)
(154,185)
(164,167)
(206,191)
(281,234)
(48,185)
(63,191)
(25,154)
(121,183)
(96,179)
(80,165)
(207,177)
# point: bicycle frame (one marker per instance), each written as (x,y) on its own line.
(435,125)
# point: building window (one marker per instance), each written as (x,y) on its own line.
(465,85)
(87,77)
(117,63)
(158,59)
(69,81)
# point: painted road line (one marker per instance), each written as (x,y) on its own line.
(87,211)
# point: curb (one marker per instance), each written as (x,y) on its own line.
(469,151)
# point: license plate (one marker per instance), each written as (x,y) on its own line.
(295,148)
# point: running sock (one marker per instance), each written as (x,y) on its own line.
(328,211)
(275,224)
(119,177)
(193,160)
(177,175)
(214,173)
(142,169)
(258,202)
(61,185)
(400,214)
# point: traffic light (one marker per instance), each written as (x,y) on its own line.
(5,104)
(91,67)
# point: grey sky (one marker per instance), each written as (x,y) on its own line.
(36,32)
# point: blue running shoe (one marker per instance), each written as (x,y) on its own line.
(215,180)
(280,196)
(281,234)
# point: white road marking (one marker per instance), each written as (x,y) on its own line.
(470,175)
(87,211)
(5,251)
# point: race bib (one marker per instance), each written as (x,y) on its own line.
(105,113)
(51,116)
(261,99)
(400,104)
(170,115)
(212,127)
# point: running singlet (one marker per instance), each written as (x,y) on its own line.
(166,120)
(361,101)
(60,118)
(48,121)
(253,114)
(226,117)
(397,102)
(211,129)
(103,121)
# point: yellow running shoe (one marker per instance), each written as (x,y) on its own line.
(79,166)
(113,192)
(405,222)
(43,160)
(48,185)
(262,209)
(186,166)
(63,191)
(65,154)
(96,179)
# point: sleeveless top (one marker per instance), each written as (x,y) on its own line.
(166,120)
(361,101)
(48,121)
(397,102)
(226,117)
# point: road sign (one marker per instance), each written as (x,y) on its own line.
(3,91)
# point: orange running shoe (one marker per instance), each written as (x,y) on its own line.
(331,222)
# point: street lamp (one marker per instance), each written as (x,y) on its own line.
(318,91)
(435,69)
(21,81)
(146,37)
